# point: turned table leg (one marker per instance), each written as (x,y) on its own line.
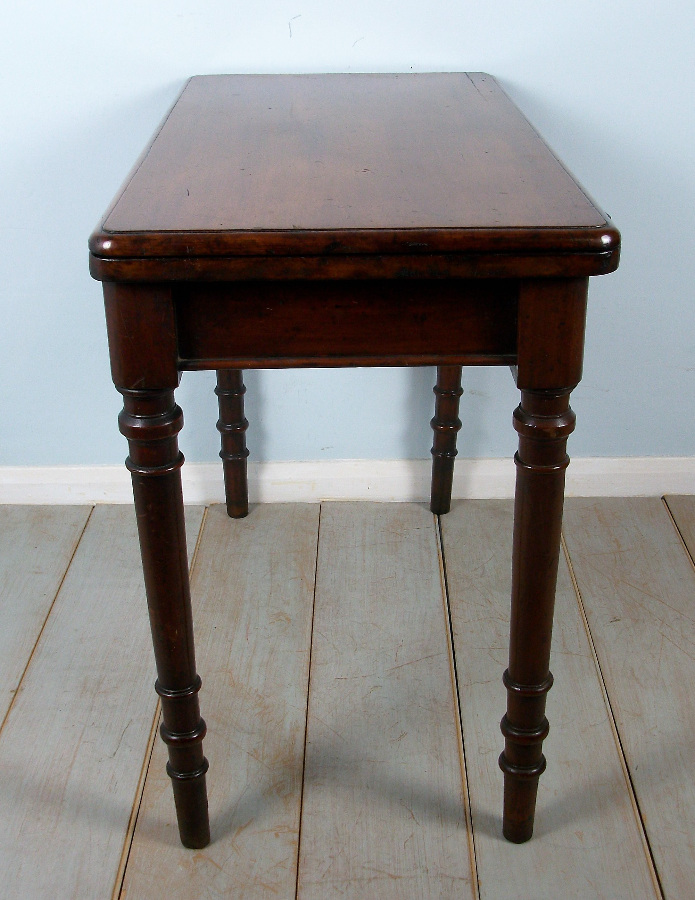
(446,425)
(232,426)
(151,421)
(544,421)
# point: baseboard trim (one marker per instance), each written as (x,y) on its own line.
(350,479)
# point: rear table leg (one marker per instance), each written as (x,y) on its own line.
(446,425)
(232,426)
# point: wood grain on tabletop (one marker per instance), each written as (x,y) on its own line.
(347,163)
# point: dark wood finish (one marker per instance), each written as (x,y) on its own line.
(551,337)
(232,425)
(446,425)
(348,164)
(258,325)
(552,316)
(349,220)
(544,421)
(452,265)
(151,421)
(142,336)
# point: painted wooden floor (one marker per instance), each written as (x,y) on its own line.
(351,656)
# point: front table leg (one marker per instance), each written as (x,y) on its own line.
(151,421)
(544,421)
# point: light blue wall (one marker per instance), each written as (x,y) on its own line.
(610,85)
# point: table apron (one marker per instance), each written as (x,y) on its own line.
(411,322)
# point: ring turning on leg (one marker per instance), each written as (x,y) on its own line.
(151,421)
(446,425)
(232,426)
(544,421)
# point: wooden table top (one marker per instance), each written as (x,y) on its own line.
(297,165)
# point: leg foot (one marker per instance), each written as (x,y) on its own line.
(446,425)
(544,421)
(151,421)
(191,800)
(232,426)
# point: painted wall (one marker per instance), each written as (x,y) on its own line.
(82,86)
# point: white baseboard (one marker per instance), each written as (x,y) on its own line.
(350,479)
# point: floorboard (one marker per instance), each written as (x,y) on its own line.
(385,798)
(36,546)
(74,741)
(682,508)
(253,588)
(638,587)
(383,811)
(587,841)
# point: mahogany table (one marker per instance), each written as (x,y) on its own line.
(343,220)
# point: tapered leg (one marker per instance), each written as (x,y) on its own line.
(446,425)
(151,421)
(544,421)
(232,426)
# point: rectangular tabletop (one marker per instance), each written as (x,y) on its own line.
(302,221)
(326,166)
